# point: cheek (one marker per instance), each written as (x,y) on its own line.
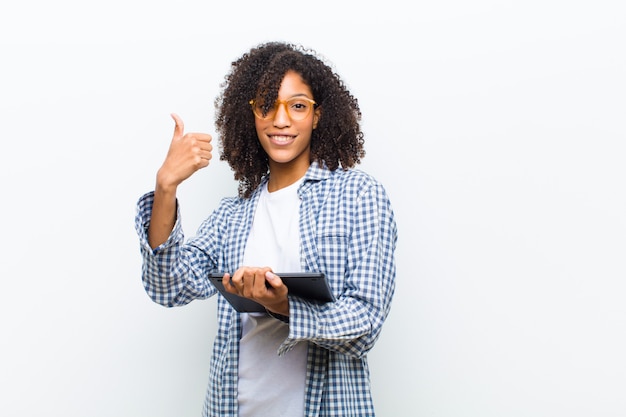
(259,126)
(307,126)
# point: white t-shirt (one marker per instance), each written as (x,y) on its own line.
(272,385)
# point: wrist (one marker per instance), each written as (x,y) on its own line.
(165,192)
(164,183)
(281,308)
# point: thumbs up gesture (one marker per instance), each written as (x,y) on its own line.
(188,153)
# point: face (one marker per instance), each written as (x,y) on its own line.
(286,141)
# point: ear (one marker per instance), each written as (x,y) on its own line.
(316,116)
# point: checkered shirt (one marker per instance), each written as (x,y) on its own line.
(347,230)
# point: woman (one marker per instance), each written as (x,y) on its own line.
(290,130)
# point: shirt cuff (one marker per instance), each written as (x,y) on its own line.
(284,319)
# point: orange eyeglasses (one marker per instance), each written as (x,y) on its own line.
(298,108)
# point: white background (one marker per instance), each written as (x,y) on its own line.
(496,127)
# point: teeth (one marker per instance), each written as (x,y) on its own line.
(281,138)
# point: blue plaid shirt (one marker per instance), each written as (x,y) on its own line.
(348,231)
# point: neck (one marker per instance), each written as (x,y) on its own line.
(283,176)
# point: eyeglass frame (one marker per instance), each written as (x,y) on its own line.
(272,111)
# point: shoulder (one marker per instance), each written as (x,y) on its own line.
(236,206)
(229,208)
(340,176)
(355,181)
(354,175)
(343,184)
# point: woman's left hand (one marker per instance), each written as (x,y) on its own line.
(260,285)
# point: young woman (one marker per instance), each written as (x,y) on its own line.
(290,130)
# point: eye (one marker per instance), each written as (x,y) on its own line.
(299,105)
(259,109)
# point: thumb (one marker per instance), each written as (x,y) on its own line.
(179,127)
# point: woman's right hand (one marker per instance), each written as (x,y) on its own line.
(188,153)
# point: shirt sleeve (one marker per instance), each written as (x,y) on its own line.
(173,273)
(352,324)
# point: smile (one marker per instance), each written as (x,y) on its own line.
(282,139)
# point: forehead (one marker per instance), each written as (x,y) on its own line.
(293,85)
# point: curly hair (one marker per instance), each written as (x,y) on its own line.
(337,140)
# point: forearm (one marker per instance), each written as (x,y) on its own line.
(351,325)
(163,217)
(347,326)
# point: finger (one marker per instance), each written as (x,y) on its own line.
(273,279)
(238,282)
(202,141)
(250,281)
(206,155)
(228,283)
(179,126)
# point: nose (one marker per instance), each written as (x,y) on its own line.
(281,118)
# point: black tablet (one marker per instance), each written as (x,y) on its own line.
(309,285)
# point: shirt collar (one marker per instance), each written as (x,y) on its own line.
(316,172)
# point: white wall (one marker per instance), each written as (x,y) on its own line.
(498,130)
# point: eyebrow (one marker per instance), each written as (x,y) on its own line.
(300,95)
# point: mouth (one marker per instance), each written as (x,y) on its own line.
(282,139)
